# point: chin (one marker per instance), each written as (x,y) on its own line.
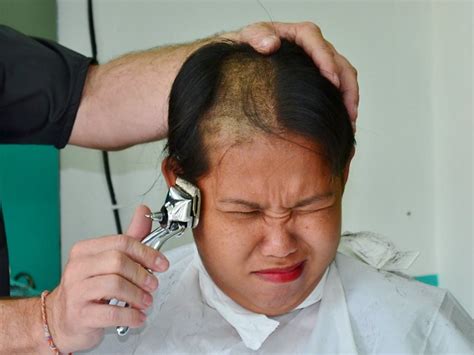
(272,309)
(274,304)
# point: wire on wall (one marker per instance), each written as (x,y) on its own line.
(105,155)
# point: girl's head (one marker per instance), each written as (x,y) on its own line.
(268,141)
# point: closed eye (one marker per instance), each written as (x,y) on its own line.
(245,212)
(313,210)
(253,213)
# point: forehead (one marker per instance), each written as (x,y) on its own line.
(268,167)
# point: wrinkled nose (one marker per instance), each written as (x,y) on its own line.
(277,240)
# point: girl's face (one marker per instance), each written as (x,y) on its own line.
(270,221)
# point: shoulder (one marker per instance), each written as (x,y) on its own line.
(362,281)
(179,258)
(377,296)
(181,253)
(392,311)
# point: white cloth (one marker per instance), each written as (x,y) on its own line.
(375,250)
(362,310)
(253,328)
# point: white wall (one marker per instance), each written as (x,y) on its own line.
(453,130)
(412,176)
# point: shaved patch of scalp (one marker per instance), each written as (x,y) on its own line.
(226,93)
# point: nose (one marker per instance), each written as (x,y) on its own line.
(277,240)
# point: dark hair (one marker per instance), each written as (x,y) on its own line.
(229,86)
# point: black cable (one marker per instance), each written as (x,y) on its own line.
(90,18)
(4,263)
(105,155)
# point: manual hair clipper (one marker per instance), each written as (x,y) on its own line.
(180,211)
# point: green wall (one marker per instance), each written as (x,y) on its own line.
(29,175)
(33,17)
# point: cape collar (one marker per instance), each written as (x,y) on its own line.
(253,328)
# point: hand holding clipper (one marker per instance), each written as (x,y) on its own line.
(180,211)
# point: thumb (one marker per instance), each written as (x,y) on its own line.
(140,226)
(262,37)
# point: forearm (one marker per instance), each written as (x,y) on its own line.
(125,101)
(21,330)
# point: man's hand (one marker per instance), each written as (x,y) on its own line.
(97,271)
(265,37)
(125,102)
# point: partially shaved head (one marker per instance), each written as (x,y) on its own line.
(227,93)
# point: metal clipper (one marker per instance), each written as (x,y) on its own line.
(180,211)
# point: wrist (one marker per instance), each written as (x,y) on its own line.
(51,333)
(36,332)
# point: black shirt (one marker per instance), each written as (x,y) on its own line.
(41,84)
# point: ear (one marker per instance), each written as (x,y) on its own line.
(168,170)
(345,174)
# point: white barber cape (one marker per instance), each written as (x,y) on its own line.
(354,309)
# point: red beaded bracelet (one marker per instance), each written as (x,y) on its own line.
(47,334)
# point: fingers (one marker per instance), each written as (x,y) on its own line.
(102,269)
(261,36)
(106,287)
(103,315)
(309,37)
(128,244)
(349,88)
(113,262)
(140,226)
(140,253)
(265,38)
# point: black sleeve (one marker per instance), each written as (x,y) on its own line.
(41,84)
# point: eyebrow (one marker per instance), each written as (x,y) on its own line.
(315,198)
(304,202)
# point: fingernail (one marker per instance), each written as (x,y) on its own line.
(161,263)
(150,283)
(267,42)
(147,300)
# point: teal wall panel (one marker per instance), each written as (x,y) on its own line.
(29,175)
(428,279)
(29,191)
(33,17)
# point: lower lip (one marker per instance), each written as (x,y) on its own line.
(284,276)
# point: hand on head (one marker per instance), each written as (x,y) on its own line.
(265,37)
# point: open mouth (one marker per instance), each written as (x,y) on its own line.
(280,275)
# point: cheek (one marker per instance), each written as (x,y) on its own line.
(223,239)
(320,231)
(225,251)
